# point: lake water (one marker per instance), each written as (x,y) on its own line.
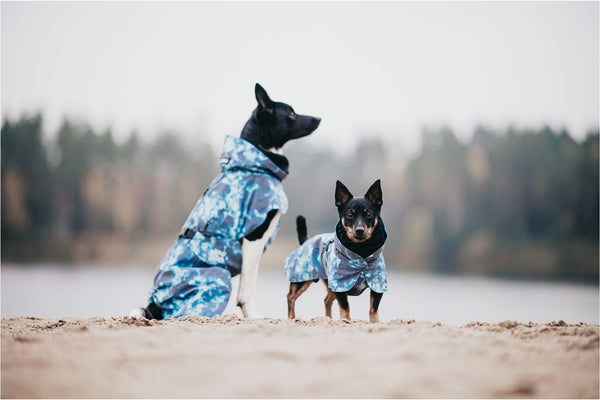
(49,291)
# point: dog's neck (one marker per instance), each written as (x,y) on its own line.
(253,134)
(365,248)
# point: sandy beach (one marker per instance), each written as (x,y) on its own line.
(231,357)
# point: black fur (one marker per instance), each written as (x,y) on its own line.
(376,300)
(342,298)
(152,311)
(260,231)
(272,124)
(301,229)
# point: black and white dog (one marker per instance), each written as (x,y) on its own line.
(233,222)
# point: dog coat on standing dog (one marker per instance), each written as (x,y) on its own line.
(324,257)
(194,278)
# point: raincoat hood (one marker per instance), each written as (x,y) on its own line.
(241,154)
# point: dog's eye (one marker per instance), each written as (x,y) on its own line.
(349,216)
(292,115)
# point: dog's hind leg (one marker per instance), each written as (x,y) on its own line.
(296,289)
(252,249)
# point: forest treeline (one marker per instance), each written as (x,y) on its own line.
(515,203)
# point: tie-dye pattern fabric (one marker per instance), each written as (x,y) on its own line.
(194,278)
(324,257)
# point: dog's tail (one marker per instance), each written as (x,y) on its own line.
(301,229)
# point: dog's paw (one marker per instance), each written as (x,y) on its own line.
(249,310)
(251,315)
(137,313)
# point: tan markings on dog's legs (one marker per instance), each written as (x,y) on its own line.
(252,252)
(293,295)
(291,301)
(345,314)
(342,299)
(329,298)
(375,298)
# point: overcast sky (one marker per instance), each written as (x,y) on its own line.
(365,68)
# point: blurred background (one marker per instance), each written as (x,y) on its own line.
(480,118)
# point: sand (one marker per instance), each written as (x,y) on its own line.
(264,358)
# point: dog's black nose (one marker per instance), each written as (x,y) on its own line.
(359,230)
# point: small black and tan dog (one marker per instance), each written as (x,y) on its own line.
(348,260)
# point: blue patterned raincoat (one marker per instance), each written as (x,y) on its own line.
(324,257)
(194,278)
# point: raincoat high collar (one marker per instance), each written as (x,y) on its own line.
(241,154)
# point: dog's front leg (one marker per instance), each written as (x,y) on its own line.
(342,298)
(251,253)
(374,306)
(252,250)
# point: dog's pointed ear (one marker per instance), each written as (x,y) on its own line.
(264,102)
(342,194)
(374,193)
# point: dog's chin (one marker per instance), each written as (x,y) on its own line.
(355,239)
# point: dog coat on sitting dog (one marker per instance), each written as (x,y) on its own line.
(324,257)
(194,278)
